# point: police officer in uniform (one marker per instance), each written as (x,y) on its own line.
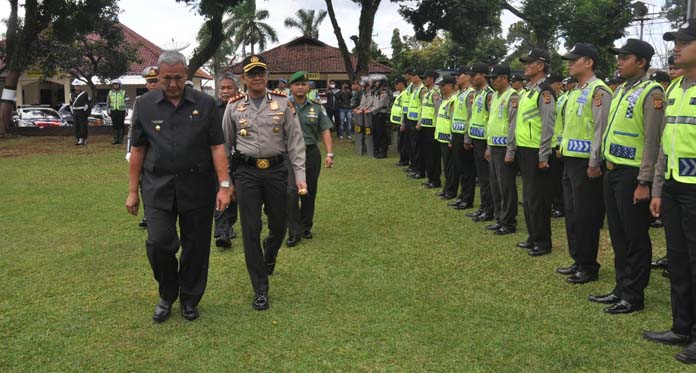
(443,135)
(316,126)
(534,138)
(478,122)
(430,152)
(225,219)
(630,147)
(463,153)
(518,84)
(555,160)
(178,148)
(116,106)
(412,124)
(585,117)
(396,118)
(500,154)
(80,110)
(674,195)
(283,87)
(380,117)
(261,126)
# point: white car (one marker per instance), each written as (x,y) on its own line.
(38,117)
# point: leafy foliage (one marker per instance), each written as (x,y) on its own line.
(245,27)
(307,21)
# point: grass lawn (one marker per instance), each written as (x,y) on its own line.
(392,281)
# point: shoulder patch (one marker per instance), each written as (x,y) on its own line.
(514,101)
(597,98)
(236,98)
(471,99)
(278,93)
(658,100)
(315,101)
(292,107)
(547,96)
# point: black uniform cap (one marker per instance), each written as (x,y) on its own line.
(685,33)
(478,67)
(498,70)
(660,77)
(448,79)
(536,54)
(254,61)
(636,47)
(582,50)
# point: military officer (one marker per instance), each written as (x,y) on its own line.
(80,110)
(262,129)
(674,194)
(463,152)
(430,152)
(443,135)
(224,220)
(630,146)
(178,148)
(585,118)
(534,138)
(478,121)
(316,126)
(116,108)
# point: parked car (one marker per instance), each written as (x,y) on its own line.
(66,113)
(38,116)
(99,116)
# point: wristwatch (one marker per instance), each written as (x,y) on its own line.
(225,184)
(643,183)
(330,155)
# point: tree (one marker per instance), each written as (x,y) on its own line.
(306,22)
(245,27)
(222,57)
(368,9)
(675,11)
(67,20)
(397,45)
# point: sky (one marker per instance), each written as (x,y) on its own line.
(162,21)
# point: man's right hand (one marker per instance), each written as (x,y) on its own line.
(656,206)
(132,203)
(487,154)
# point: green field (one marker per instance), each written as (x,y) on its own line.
(392,281)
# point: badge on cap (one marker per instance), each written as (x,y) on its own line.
(274,105)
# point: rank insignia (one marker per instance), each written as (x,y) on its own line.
(276,130)
(274,105)
(243,122)
(243,132)
(241,107)
(157,128)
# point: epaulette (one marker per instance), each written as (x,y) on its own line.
(315,101)
(278,93)
(545,86)
(236,98)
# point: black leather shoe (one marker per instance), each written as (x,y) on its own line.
(665,273)
(494,227)
(409,170)
(446,197)
(667,337)
(463,206)
(557,213)
(568,270)
(525,245)
(455,202)
(582,277)
(623,307)
(430,185)
(538,251)
(260,302)
(688,354)
(505,230)
(417,176)
(400,164)
(307,234)
(270,267)
(223,241)
(162,311)
(293,240)
(189,312)
(660,263)
(657,223)
(474,214)
(233,234)
(483,217)
(610,298)
(143,223)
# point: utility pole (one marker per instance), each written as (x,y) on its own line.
(690,9)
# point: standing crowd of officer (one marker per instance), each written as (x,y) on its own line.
(584,151)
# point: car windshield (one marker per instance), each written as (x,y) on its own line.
(39,114)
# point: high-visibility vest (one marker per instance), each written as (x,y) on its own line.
(397,110)
(479,115)
(558,127)
(443,123)
(117,100)
(461,112)
(498,124)
(414,103)
(427,117)
(679,135)
(624,137)
(407,98)
(528,127)
(578,121)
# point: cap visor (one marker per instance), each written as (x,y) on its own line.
(527,59)
(253,65)
(570,57)
(678,35)
(618,51)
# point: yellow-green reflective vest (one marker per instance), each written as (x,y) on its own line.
(623,139)
(461,112)
(414,103)
(407,98)
(443,123)
(558,127)
(679,136)
(427,116)
(479,115)
(578,122)
(397,110)
(498,124)
(528,126)
(313,95)
(117,100)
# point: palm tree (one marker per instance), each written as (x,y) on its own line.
(305,21)
(244,27)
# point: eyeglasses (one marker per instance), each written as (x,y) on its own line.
(255,74)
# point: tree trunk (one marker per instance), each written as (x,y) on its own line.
(341,42)
(365,27)
(204,52)
(6,107)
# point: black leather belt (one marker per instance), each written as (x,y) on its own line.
(261,163)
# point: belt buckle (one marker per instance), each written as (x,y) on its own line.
(610,166)
(263,163)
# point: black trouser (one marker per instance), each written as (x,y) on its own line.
(255,188)
(381,127)
(431,155)
(584,213)
(482,171)
(301,208)
(81,121)
(679,216)
(464,168)
(451,176)
(404,147)
(187,279)
(556,165)
(117,119)
(536,196)
(629,226)
(415,154)
(503,179)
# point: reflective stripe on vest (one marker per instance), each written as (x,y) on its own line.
(414,104)
(624,137)
(427,117)
(528,126)
(479,115)
(578,121)
(461,112)
(397,112)
(498,122)
(117,100)
(679,135)
(443,124)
